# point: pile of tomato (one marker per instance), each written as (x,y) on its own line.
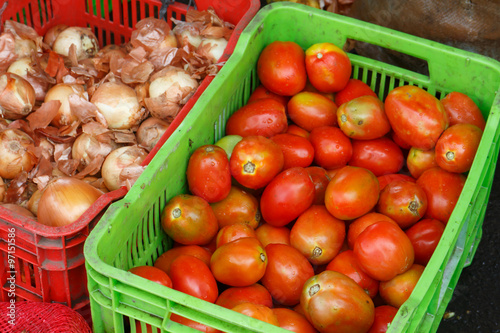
(322,205)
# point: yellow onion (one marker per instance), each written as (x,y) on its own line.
(212,48)
(15,153)
(17,96)
(18,209)
(83,38)
(87,148)
(52,33)
(64,200)
(119,105)
(24,47)
(2,189)
(174,77)
(97,183)
(61,92)
(117,161)
(33,201)
(22,67)
(150,131)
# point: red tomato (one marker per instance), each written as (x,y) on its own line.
(443,189)
(164,261)
(419,160)
(266,117)
(287,271)
(288,195)
(153,274)
(381,156)
(310,110)
(318,235)
(461,109)
(208,173)
(354,309)
(457,147)
(239,263)
(320,178)
(358,225)
(233,232)
(399,141)
(332,148)
(416,116)
(388,178)
(255,161)
(328,67)
(189,220)
(269,234)
(193,324)
(384,314)
(354,88)
(403,201)
(293,321)
(384,251)
(262,92)
(425,236)
(281,68)
(352,193)
(238,207)
(310,88)
(297,151)
(294,129)
(363,118)
(255,293)
(257,311)
(397,290)
(346,263)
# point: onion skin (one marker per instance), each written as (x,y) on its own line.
(18,209)
(64,200)
(117,160)
(212,48)
(61,92)
(21,67)
(51,34)
(2,189)
(17,96)
(32,204)
(15,156)
(150,132)
(84,39)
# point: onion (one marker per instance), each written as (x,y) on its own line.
(118,103)
(61,92)
(32,204)
(117,161)
(24,47)
(87,149)
(17,96)
(98,183)
(52,33)
(188,33)
(173,77)
(18,209)
(150,131)
(64,200)
(22,67)
(15,153)
(212,48)
(2,189)
(83,38)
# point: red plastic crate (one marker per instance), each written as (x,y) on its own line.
(49,261)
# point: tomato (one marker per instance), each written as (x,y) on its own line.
(266,117)
(461,109)
(416,116)
(399,141)
(425,236)
(403,201)
(269,234)
(363,118)
(164,261)
(384,251)
(153,274)
(419,160)
(358,225)
(354,88)
(328,67)
(318,235)
(346,263)
(239,263)
(287,270)
(192,276)
(381,156)
(262,92)
(333,302)
(238,207)
(388,178)
(232,232)
(310,88)
(189,220)
(297,151)
(293,321)
(384,314)
(255,161)
(294,129)
(257,311)
(310,110)
(281,68)
(457,147)
(255,293)
(443,189)
(193,324)
(352,193)
(332,148)
(320,178)
(397,290)
(208,173)
(288,195)
(227,143)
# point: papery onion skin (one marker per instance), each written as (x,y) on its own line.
(18,209)
(117,160)
(86,148)
(61,93)
(24,47)
(162,84)
(97,183)
(2,189)
(17,96)
(212,48)
(15,156)
(32,204)
(51,34)
(150,132)
(84,40)
(64,200)
(21,67)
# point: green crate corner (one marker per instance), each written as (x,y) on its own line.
(129,234)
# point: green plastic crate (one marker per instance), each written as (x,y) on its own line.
(129,233)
